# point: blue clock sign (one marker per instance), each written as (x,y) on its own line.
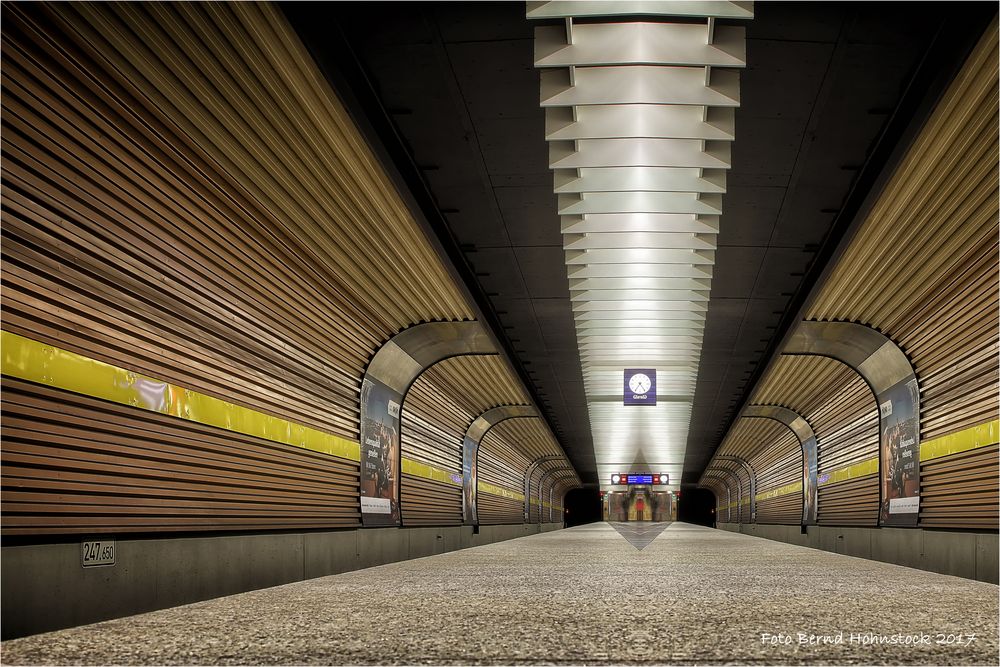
(640,386)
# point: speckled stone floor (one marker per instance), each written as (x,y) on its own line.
(578,596)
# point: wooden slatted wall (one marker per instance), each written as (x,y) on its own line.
(774,453)
(182,203)
(501,465)
(974,473)
(504,455)
(546,472)
(741,491)
(433,428)
(778,466)
(720,487)
(923,270)
(533,507)
(537,441)
(843,414)
(438,410)
(744,510)
(76,464)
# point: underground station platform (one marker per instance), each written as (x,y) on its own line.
(598,594)
(549,332)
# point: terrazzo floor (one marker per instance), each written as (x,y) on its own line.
(578,596)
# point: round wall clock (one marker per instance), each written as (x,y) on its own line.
(639,383)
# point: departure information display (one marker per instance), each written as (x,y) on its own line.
(640,478)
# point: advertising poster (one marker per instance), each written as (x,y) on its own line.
(900,454)
(470,478)
(810,472)
(379,454)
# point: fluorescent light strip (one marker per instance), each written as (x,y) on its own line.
(639,117)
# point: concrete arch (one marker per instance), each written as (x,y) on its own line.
(470,452)
(753,482)
(807,439)
(390,374)
(889,373)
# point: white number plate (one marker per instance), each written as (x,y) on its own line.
(97,552)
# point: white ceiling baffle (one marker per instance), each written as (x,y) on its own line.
(640,100)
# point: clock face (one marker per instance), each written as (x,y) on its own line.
(639,383)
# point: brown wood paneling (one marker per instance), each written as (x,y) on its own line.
(775,455)
(76,464)
(498,509)
(961,490)
(922,269)
(852,502)
(242,243)
(504,456)
(437,412)
(501,462)
(785,509)
(843,414)
(742,491)
(427,502)
(534,508)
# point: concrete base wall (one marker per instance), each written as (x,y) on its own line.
(963,554)
(44,586)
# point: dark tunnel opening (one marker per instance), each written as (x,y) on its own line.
(695,505)
(583,505)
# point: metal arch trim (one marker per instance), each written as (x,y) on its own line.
(891,377)
(874,356)
(470,453)
(753,482)
(484,422)
(729,493)
(390,373)
(412,351)
(798,425)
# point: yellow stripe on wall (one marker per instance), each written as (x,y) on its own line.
(33,361)
(30,360)
(485,487)
(417,469)
(982,435)
(862,469)
(780,491)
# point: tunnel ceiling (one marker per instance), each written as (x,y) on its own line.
(458,87)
